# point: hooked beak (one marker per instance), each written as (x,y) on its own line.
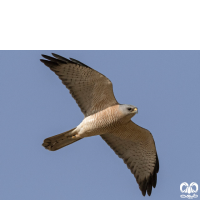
(135,110)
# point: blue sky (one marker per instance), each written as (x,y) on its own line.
(164,85)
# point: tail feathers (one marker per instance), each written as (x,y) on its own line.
(58,141)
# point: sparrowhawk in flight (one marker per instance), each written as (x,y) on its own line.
(104,116)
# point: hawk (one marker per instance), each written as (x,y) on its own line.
(104,116)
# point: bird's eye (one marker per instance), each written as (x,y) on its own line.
(130,109)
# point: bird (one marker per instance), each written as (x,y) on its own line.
(104,116)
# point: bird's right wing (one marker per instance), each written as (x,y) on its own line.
(92,91)
(135,145)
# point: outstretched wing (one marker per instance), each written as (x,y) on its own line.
(92,91)
(135,145)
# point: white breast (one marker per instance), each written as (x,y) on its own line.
(101,122)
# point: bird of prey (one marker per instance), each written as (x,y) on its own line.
(104,116)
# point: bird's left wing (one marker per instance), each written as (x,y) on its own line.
(135,145)
(92,90)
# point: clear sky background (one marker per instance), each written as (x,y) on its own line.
(164,85)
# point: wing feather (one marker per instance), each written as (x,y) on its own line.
(135,145)
(92,91)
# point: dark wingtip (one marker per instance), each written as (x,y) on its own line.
(43,55)
(147,184)
(48,63)
(144,193)
(149,189)
(55,55)
(55,60)
(143,187)
(60,58)
(43,61)
(156,170)
(47,57)
(157,164)
(78,62)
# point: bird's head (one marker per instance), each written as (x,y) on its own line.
(128,110)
